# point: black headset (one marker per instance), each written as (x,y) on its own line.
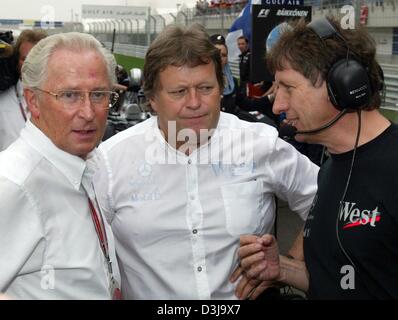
(348,81)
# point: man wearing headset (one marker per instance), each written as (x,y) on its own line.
(329,87)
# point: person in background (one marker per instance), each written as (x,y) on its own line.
(232,101)
(228,103)
(14,111)
(244,64)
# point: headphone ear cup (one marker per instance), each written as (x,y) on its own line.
(332,96)
(349,85)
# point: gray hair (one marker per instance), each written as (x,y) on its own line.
(34,69)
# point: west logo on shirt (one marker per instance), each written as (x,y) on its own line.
(352,216)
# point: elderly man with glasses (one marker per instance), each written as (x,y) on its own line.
(54,243)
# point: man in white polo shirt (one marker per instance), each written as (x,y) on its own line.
(180,188)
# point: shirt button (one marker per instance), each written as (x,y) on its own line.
(199,269)
(192,197)
(194,231)
(189,161)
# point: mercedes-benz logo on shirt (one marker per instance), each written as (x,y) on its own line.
(145,170)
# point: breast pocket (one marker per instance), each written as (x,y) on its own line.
(243,203)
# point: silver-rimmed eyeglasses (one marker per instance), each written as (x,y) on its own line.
(74,98)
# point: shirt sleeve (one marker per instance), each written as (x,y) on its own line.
(20,231)
(295,177)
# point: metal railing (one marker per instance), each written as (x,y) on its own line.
(390,71)
(133,37)
(130,50)
(381,20)
(391,86)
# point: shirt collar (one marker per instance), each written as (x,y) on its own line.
(73,167)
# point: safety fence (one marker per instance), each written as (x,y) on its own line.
(387,63)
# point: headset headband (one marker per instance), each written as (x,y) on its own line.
(323,28)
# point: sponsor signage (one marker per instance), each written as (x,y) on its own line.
(268,21)
(114,12)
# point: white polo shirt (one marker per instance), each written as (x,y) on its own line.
(11,118)
(177,219)
(48,245)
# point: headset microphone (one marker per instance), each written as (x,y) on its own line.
(289,131)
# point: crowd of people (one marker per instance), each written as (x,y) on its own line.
(182,205)
(205,7)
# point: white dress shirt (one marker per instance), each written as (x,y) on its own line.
(48,245)
(11,117)
(177,226)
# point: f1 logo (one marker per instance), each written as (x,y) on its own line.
(263,13)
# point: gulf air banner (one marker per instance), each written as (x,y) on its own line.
(114,12)
(284,2)
(268,22)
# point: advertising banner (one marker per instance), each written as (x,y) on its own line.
(268,22)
